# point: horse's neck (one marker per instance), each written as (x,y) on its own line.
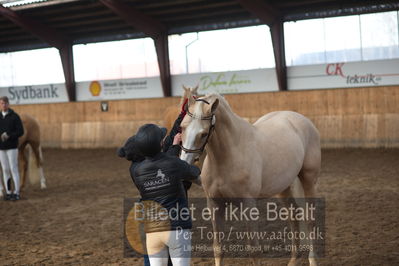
(227,135)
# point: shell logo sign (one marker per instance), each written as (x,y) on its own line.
(95,88)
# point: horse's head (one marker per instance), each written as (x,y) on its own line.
(197,126)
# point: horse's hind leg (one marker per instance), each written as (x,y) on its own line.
(308,177)
(23,164)
(310,170)
(37,150)
(288,197)
(1,188)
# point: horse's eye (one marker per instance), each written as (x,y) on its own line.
(204,135)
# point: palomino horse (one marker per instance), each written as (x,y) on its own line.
(250,161)
(31,136)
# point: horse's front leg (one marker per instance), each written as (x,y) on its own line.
(1,189)
(252,227)
(218,223)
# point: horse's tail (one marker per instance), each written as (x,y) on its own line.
(33,176)
(35,165)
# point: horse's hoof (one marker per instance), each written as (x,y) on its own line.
(293,262)
(312,262)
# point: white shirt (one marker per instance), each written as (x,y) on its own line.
(4,113)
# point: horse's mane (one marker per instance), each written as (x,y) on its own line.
(220,97)
(223,103)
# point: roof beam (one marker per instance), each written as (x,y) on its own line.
(277,34)
(135,18)
(151,27)
(272,17)
(262,10)
(53,38)
(41,31)
(66,54)
(162,48)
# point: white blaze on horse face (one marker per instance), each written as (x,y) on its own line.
(192,131)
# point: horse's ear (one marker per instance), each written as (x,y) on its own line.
(185,89)
(214,105)
(210,108)
(195,90)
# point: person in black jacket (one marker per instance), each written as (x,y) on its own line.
(10,130)
(130,152)
(170,145)
(159,179)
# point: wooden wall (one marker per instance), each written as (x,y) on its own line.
(356,117)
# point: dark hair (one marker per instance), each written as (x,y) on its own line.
(121,152)
(4,99)
(129,151)
(148,139)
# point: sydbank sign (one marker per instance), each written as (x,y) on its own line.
(50,93)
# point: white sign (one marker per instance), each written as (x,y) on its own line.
(256,80)
(119,89)
(51,93)
(334,75)
(341,75)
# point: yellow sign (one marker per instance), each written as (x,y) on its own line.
(95,88)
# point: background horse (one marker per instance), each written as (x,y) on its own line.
(250,161)
(31,136)
(172,112)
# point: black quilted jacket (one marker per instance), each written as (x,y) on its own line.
(11,123)
(160,179)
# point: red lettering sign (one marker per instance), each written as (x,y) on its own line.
(335,69)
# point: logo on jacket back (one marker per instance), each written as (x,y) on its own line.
(160,180)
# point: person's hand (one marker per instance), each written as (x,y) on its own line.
(4,137)
(177,139)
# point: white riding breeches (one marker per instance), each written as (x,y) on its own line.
(9,164)
(160,244)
